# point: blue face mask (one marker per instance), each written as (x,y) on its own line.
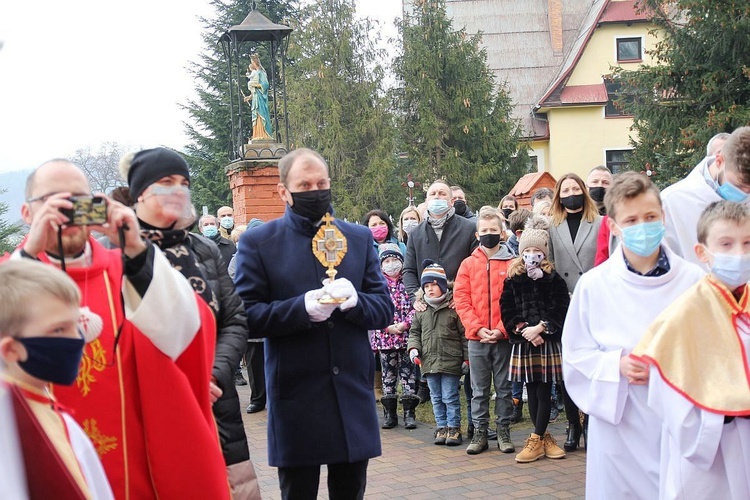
(438,206)
(52,359)
(210,231)
(730,192)
(227,222)
(643,239)
(733,270)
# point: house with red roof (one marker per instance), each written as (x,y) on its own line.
(556,58)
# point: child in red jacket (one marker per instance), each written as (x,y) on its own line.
(479,284)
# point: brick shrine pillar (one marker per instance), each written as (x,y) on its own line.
(253,183)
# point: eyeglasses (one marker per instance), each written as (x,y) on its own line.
(45,197)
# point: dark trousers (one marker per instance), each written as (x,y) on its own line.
(256,373)
(345,481)
(571,410)
(539,404)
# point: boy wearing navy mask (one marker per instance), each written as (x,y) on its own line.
(41,344)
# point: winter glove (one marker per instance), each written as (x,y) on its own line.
(465,367)
(318,312)
(414,357)
(342,288)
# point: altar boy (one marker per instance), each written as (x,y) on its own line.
(699,350)
(611,308)
(41,344)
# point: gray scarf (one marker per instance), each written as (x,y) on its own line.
(437,224)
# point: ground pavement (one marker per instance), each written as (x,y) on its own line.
(413,468)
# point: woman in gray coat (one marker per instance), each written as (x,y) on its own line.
(572,245)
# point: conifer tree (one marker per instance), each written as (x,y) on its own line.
(337,106)
(209,129)
(698,86)
(453,122)
(10,234)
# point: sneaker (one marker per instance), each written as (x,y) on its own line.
(441,434)
(532,451)
(504,444)
(478,442)
(551,450)
(553,413)
(454,437)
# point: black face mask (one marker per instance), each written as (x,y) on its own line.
(312,205)
(460,206)
(506,212)
(597,193)
(572,202)
(489,240)
(53,359)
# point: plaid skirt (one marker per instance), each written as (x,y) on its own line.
(536,364)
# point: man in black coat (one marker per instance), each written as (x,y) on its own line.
(446,238)
(208,225)
(441,237)
(319,364)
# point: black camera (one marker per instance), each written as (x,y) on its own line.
(86,211)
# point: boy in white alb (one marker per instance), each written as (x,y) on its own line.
(41,344)
(698,350)
(611,308)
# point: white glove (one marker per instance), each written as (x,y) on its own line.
(318,312)
(414,357)
(342,288)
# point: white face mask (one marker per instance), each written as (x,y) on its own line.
(409,225)
(392,268)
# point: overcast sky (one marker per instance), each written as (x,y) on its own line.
(81,72)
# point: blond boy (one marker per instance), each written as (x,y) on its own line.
(698,351)
(41,344)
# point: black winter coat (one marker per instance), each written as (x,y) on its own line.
(529,301)
(456,244)
(231,338)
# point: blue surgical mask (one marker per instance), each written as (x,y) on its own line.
(227,222)
(733,270)
(52,359)
(210,231)
(438,206)
(643,239)
(730,192)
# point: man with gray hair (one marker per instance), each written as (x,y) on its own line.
(209,227)
(724,175)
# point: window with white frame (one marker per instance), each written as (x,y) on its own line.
(629,49)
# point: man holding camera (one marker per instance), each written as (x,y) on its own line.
(139,365)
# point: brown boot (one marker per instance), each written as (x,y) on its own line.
(533,451)
(551,450)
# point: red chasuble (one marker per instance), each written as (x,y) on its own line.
(149,417)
